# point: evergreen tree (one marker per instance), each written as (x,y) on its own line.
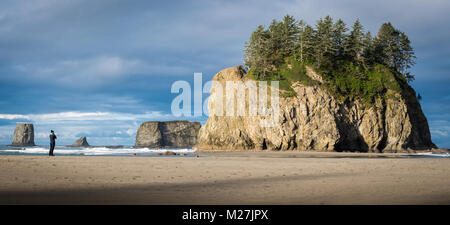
(257,53)
(301,42)
(268,49)
(324,45)
(305,41)
(368,46)
(354,45)
(339,36)
(393,48)
(328,45)
(289,35)
(282,40)
(387,45)
(274,43)
(407,56)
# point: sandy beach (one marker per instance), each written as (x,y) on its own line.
(226,178)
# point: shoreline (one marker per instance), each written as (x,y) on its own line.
(185,152)
(313,154)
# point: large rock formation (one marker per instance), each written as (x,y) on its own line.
(81,142)
(23,135)
(315,120)
(174,134)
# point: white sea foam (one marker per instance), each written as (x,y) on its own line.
(61,150)
(431,154)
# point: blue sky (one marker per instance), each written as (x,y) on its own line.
(100,68)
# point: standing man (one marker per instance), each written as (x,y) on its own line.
(52,143)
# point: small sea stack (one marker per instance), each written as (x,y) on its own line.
(81,142)
(23,135)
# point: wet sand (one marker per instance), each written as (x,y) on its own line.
(226,178)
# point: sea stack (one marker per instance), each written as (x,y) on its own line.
(173,134)
(81,142)
(313,119)
(23,135)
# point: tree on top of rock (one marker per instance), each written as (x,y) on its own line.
(328,46)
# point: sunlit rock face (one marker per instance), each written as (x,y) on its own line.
(315,120)
(81,142)
(23,135)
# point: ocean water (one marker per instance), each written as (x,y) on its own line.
(433,155)
(89,151)
(132,151)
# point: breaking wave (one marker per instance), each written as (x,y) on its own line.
(63,150)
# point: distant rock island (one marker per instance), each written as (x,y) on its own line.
(313,119)
(173,134)
(81,142)
(23,135)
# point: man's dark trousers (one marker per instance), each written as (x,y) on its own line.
(52,147)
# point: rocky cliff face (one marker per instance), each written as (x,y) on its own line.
(23,135)
(315,120)
(81,142)
(175,134)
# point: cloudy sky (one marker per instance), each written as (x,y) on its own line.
(100,68)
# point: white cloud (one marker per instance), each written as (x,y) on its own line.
(130,132)
(13,116)
(438,132)
(101,128)
(85,116)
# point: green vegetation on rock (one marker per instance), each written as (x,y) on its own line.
(353,65)
(354,82)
